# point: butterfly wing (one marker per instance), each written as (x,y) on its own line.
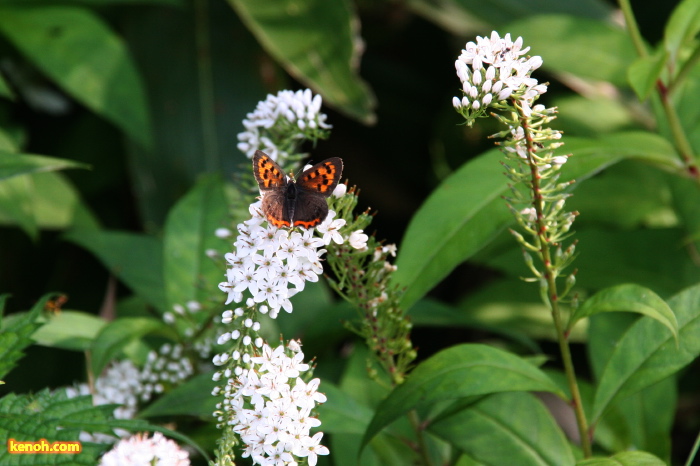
(267,173)
(313,187)
(310,209)
(273,185)
(322,178)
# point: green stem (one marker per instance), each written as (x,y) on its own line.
(694,451)
(550,275)
(677,132)
(633,28)
(422,447)
(685,70)
(206,85)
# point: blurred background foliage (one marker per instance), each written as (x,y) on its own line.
(148,95)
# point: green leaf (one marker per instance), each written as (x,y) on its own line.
(5,90)
(627,298)
(193,398)
(297,32)
(458,372)
(645,72)
(83,56)
(42,200)
(642,420)
(135,259)
(189,273)
(58,205)
(341,413)
(458,16)
(16,205)
(645,355)
(584,47)
(682,27)
(12,164)
(16,334)
(625,458)
(117,334)
(444,233)
(54,417)
(71,330)
(499,437)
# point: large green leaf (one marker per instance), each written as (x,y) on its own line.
(458,15)
(192,398)
(12,164)
(83,56)
(297,33)
(625,458)
(72,330)
(16,206)
(682,27)
(189,274)
(630,298)
(647,353)
(219,79)
(5,89)
(642,420)
(459,372)
(466,211)
(113,337)
(42,200)
(342,414)
(135,259)
(497,437)
(584,47)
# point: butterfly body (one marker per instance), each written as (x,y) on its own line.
(296,203)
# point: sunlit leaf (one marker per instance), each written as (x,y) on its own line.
(82,55)
(296,33)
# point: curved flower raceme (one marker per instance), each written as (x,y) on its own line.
(269,405)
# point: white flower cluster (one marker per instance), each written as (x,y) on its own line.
(123,384)
(120,384)
(274,264)
(288,112)
(166,366)
(141,450)
(493,69)
(270,406)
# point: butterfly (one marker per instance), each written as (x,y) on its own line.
(296,203)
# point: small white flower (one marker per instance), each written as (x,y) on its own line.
(329,228)
(358,240)
(340,190)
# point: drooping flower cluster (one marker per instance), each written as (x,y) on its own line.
(274,264)
(492,70)
(124,384)
(119,384)
(269,405)
(281,121)
(165,367)
(142,450)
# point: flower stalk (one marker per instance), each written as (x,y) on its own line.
(537,198)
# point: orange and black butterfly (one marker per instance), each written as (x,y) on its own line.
(296,203)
